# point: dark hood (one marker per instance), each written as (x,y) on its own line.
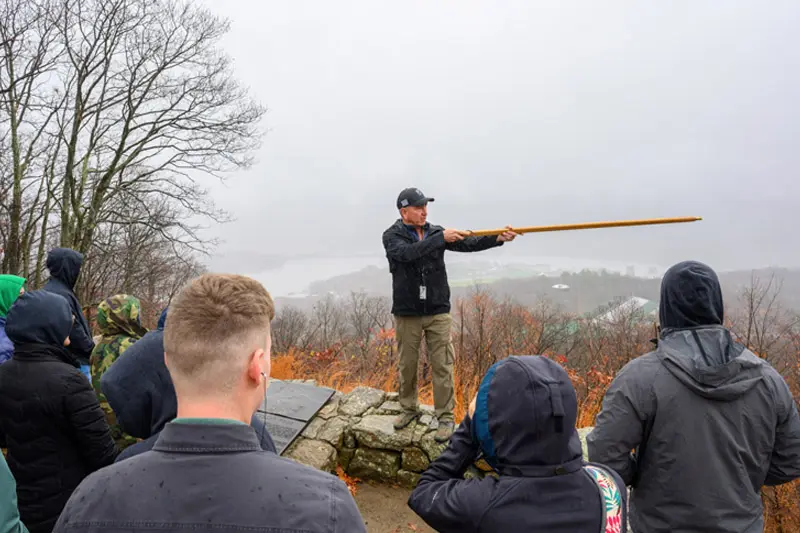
(162,320)
(64,265)
(709,362)
(139,389)
(39,317)
(691,296)
(525,416)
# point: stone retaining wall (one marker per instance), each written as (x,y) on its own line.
(355,431)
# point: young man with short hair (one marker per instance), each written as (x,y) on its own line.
(207,471)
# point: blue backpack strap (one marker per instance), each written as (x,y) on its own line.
(614,517)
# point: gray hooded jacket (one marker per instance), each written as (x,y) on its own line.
(710,422)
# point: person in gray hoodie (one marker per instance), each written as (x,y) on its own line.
(709,422)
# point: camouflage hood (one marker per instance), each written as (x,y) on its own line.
(118,319)
(120,315)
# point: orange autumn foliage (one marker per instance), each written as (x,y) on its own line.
(485,331)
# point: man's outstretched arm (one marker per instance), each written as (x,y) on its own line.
(478,244)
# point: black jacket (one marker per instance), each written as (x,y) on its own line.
(710,421)
(64,265)
(211,478)
(139,389)
(414,263)
(50,419)
(524,426)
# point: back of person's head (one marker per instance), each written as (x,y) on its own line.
(39,317)
(64,264)
(691,296)
(524,419)
(120,315)
(217,338)
(11,288)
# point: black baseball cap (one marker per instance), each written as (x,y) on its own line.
(412,197)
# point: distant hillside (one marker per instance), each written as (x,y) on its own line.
(587,291)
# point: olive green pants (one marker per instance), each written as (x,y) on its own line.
(437,331)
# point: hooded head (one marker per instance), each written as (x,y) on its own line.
(525,414)
(64,265)
(10,287)
(120,315)
(691,296)
(39,317)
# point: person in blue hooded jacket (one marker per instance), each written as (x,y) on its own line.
(64,265)
(710,422)
(139,390)
(522,422)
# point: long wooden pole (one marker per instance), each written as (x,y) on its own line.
(587,225)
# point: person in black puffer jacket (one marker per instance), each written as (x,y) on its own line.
(50,419)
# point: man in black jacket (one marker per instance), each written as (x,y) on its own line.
(421,301)
(207,471)
(64,265)
(710,422)
(50,418)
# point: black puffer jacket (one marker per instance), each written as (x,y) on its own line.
(414,263)
(50,419)
(64,265)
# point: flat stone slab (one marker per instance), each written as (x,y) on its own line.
(299,401)
(289,408)
(282,430)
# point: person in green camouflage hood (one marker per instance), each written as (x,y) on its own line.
(119,322)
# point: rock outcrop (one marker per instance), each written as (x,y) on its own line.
(355,432)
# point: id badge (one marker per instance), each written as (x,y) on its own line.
(423,292)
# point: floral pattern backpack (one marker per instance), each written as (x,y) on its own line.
(614,516)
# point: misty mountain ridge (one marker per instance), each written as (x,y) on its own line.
(576,290)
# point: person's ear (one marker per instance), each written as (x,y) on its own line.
(255,366)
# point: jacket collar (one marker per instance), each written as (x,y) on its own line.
(207,438)
(44,352)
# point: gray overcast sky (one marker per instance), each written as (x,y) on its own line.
(523,112)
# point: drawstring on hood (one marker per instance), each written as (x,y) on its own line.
(524,421)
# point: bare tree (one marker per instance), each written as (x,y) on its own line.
(367,315)
(290,329)
(328,323)
(153,106)
(762,323)
(29,51)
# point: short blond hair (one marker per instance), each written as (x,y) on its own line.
(213,325)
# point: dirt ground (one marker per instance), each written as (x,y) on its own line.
(385,510)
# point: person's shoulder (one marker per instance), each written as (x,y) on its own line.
(648,363)
(396,227)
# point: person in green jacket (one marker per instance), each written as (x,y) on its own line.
(9,514)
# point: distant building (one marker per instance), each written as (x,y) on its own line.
(643,308)
(630,271)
